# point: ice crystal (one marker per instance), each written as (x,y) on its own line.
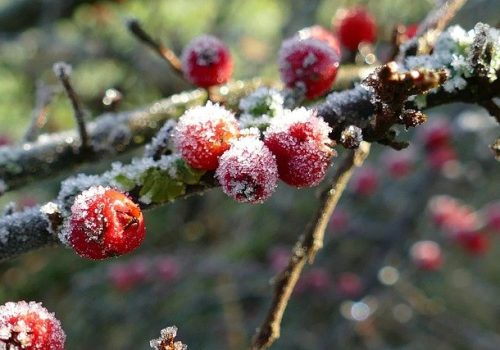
(166,340)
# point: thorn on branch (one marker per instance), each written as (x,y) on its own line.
(165,53)
(63,71)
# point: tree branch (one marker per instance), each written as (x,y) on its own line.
(305,250)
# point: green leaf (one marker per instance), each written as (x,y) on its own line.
(187,174)
(125,182)
(159,186)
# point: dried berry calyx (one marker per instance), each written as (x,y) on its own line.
(29,326)
(103,223)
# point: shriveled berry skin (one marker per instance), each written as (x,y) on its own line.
(354,26)
(103,223)
(203,134)
(322,34)
(310,64)
(248,172)
(29,326)
(299,140)
(206,61)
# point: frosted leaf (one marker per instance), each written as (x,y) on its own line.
(259,107)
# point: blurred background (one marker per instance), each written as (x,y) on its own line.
(411,255)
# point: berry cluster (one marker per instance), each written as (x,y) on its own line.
(295,148)
(29,326)
(103,223)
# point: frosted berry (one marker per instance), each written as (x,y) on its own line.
(299,140)
(203,134)
(248,171)
(29,326)
(354,26)
(309,64)
(206,61)
(365,181)
(426,255)
(319,33)
(103,223)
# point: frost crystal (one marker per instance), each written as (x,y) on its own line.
(162,140)
(453,52)
(166,340)
(259,107)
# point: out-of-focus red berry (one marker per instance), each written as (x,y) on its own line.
(411,30)
(206,62)
(29,326)
(399,164)
(203,134)
(349,285)
(436,134)
(317,279)
(492,216)
(474,242)
(452,215)
(300,142)
(354,26)
(365,181)
(426,255)
(310,64)
(167,268)
(339,220)
(439,157)
(279,257)
(125,276)
(103,223)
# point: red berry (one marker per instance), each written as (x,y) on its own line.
(354,26)
(411,30)
(125,276)
(319,33)
(29,326)
(426,255)
(299,140)
(493,216)
(206,61)
(309,64)
(103,223)
(436,135)
(349,285)
(247,171)
(474,242)
(203,134)
(365,181)
(452,215)
(440,157)
(399,164)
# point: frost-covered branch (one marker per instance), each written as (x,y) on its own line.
(109,134)
(306,249)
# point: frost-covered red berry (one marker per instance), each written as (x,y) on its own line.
(103,223)
(299,140)
(426,255)
(309,64)
(354,26)
(203,134)
(319,33)
(248,172)
(206,61)
(29,326)
(451,215)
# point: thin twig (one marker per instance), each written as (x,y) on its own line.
(305,250)
(43,98)
(165,53)
(63,71)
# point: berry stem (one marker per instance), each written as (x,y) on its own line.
(306,248)
(63,72)
(164,52)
